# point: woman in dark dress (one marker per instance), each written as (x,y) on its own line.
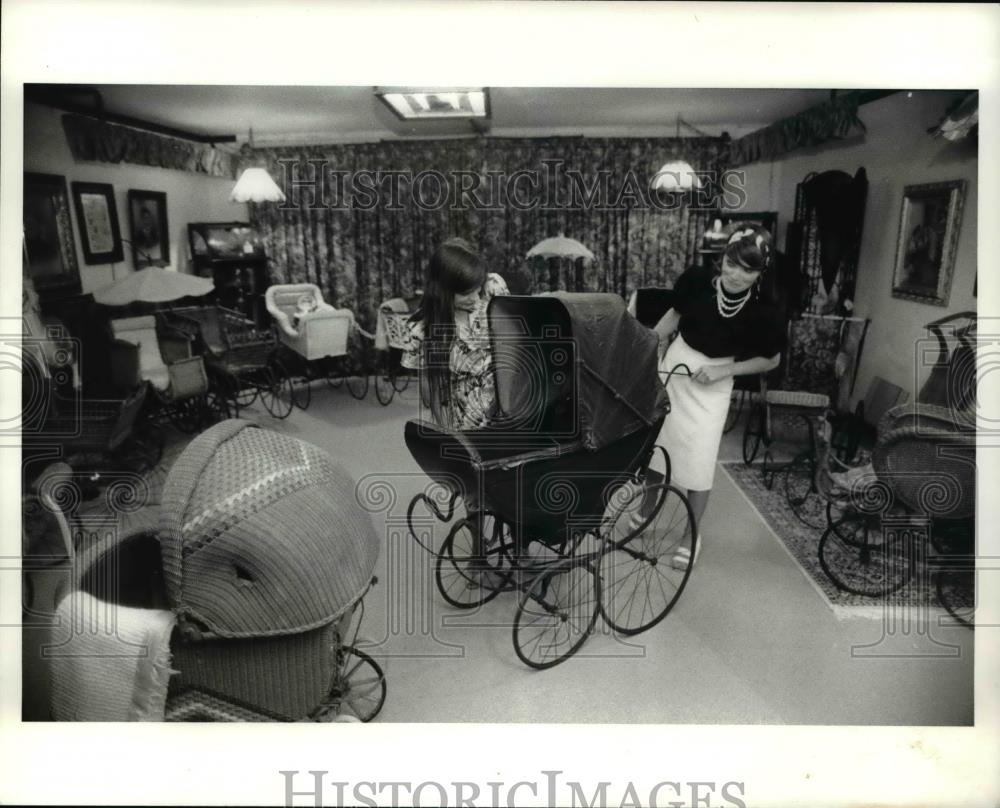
(725,328)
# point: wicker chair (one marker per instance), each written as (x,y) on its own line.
(320,333)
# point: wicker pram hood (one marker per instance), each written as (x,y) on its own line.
(262,534)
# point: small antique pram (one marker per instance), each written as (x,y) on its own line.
(563,463)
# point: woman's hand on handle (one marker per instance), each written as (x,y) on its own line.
(709,374)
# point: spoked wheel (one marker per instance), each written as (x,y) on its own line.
(276,389)
(640,573)
(244,392)
(856,557)
(735,411)
(384,387)
(357,385)
(769,469)
(955,587)
(335,372)
(302,392)
(187,414)
(401,379)
(801,493)
(556,614)
(358,688)
(468,575)
(753,433)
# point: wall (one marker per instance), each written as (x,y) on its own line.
(190,197)
(895,151)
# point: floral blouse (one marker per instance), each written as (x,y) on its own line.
(472,387)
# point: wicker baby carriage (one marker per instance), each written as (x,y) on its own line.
(316,340)
(261,559)
(392,337)
(241,359)
(563,463)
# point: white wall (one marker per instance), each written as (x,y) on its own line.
(895,151)
(190,197)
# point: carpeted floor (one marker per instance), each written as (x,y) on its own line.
(802,541)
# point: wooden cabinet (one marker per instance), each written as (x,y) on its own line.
(232,254)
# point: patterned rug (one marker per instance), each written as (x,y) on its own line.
(802,543)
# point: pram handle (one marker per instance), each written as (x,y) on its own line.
(667,374)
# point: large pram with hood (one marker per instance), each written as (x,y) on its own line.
(563,463)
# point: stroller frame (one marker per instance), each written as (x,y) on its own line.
(608,533)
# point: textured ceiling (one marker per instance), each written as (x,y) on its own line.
(305,114)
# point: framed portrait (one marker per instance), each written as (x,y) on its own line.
(148,231)
(927,241)
(49,252)
(97,218)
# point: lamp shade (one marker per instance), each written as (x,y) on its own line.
(676,176)
(560,247)
(256,185)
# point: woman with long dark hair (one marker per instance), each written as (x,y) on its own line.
(450,337)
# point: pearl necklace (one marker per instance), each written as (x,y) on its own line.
(729,308)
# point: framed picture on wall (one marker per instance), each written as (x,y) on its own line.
(49,252)
(97,218)
(148,231)
(717,226)
(927,241)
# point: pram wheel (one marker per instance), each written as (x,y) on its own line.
(954,586)
(358,688)
(557,613)
(468,576)
(638,582)
(753,434)
(357,386)
(401,379)
(276,389)
(302,393)
(857,557)
(801,493)
(384,387)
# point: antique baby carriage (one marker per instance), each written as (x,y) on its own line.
(240,603)
(563,463)
(315,338)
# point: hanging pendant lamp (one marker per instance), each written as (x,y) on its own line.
(255,184)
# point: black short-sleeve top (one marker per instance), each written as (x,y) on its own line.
(757,330)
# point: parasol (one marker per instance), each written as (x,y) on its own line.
(153,285)
(560,247)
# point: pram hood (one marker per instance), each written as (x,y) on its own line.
(614,388)
(262,534)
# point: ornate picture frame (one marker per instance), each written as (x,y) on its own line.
(97,218)
(148,230)
(929,225)
(49,252)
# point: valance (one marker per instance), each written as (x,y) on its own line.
(834,120)
(96,140)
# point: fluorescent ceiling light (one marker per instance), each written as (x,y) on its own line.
(445,103)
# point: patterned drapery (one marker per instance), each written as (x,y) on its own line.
(365,237)
(96,140)
(833,120)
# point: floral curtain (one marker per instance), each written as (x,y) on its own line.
(362,220)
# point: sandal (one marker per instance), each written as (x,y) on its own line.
(682,558)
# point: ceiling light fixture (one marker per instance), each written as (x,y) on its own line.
(677,176)
(411,104)
(254,184)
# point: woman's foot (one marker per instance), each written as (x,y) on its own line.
(682,558)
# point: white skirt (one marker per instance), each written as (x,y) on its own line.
(692,430)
